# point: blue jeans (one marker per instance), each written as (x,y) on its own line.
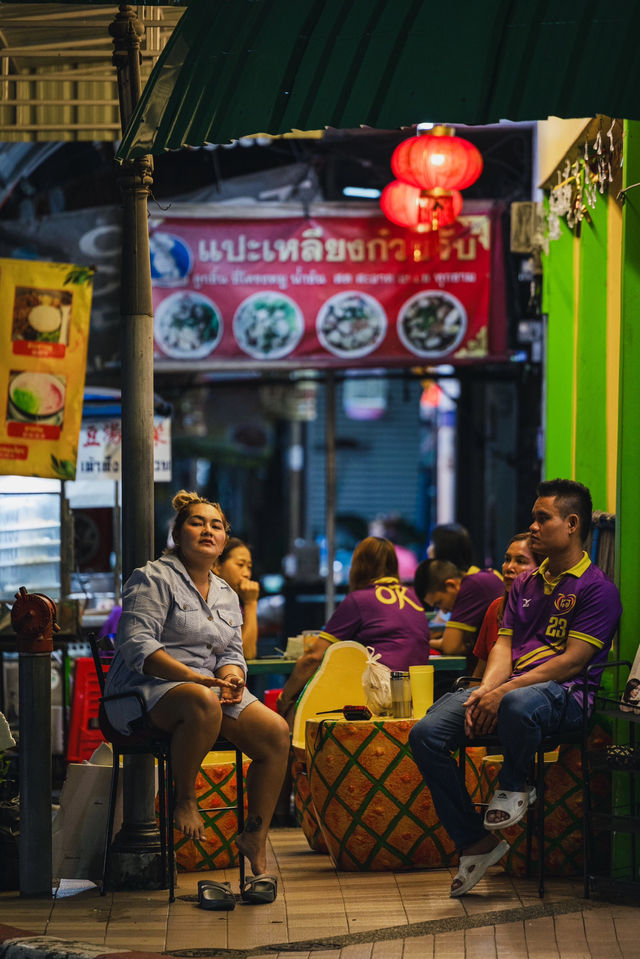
(525,717)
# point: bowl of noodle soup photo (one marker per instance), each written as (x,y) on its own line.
(351,324)
(432,323)
(36,398)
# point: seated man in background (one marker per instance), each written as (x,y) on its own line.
(466,596)
(559,619)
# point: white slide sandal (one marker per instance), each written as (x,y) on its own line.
(513,804)
(472,868)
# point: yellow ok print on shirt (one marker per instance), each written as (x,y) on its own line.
(389,595)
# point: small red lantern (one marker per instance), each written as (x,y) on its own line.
(420,210)
(437,159)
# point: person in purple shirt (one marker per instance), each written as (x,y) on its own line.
(466,596)
(378,611)
(559,619)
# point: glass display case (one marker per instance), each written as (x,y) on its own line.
(30,536)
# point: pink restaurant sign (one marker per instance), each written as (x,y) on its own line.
(325,292)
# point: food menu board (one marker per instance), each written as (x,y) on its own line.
(326,291)
(44,330)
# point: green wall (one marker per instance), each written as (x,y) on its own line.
(577,271)
(628,500)
(558,304)
(575,301)
(590,463)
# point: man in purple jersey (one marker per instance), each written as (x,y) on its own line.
(559,618)
(466,596)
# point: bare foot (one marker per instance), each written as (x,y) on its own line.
(251,845)
(186,819)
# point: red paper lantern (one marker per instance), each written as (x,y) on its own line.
(437,159)
(418,209)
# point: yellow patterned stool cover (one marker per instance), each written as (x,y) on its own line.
(215,788)
(305,810)
(371,804)
(563,812)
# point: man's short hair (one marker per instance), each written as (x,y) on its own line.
(572,497)
(432,574)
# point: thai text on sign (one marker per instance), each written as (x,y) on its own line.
(100,449)
(324,291)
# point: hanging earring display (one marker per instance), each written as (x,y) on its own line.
(580,181)
(560,197)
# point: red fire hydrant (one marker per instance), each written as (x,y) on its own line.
(33,617)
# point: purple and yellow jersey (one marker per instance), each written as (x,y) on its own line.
(477,592)
(387,616)
(541,614)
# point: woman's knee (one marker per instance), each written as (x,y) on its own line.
(276,732)
(264,732)
(200,704)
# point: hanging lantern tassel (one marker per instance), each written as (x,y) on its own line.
(420,210)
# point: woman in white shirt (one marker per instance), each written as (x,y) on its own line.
(179,645)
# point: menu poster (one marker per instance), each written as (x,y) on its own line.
(325,292)
(44,332)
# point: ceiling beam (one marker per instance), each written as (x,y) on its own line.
(49,50)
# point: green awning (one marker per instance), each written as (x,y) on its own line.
(238,67)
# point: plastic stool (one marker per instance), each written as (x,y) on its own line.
(84,732)
(270,696)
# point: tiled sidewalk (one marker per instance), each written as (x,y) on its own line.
(322,914)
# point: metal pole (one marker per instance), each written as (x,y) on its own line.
(117,545)
(33,619)
(135,854)
(34,677)
(67,539)
(295,463)
(330,483)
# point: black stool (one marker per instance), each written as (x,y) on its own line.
(148,741)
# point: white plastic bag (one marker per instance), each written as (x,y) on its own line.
(631,696)
(6,739)
(376,680)
(79,826)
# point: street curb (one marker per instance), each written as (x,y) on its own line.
(20,944)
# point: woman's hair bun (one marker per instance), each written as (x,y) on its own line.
(184,498)
(182,501)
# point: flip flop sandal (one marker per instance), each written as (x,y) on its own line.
(260,889)
(514,804)
(215,895)
(471,869)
